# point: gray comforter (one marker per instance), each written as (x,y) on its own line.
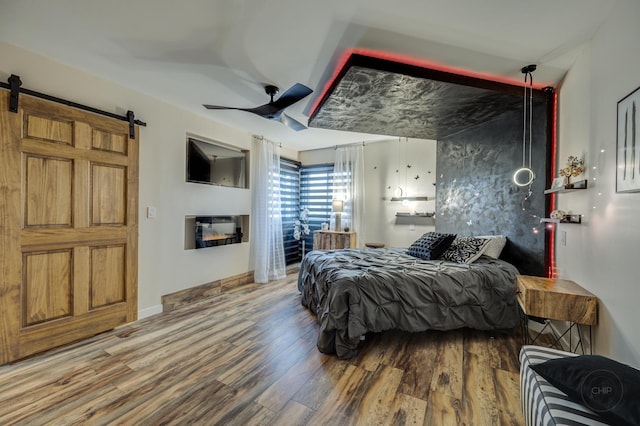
(353,292)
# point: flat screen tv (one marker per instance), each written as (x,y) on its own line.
(214,164)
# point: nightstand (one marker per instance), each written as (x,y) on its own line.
(332,240)
(545,299)
(374,245)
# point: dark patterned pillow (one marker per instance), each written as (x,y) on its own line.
(606,386)
(431,245)
(466,249)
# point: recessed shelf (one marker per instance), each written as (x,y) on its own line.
(581,184)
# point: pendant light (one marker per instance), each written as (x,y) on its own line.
(525,175)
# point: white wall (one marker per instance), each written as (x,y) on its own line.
(164,265)
(602,253)
(381,160)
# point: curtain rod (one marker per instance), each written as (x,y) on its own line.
(15,84)
(262,138)
(350,144)
(334,147)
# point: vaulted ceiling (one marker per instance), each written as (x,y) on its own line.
(194,52)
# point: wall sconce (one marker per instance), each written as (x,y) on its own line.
(338,207)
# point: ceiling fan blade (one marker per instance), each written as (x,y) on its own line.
(269,110)
(222,107)
(275,110)
(294,94)
(292,123)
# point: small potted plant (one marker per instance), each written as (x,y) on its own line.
(573,168)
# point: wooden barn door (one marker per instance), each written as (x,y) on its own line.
(68,225)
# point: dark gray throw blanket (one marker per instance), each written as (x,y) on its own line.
(353,292)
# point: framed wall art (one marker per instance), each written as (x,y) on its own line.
(628,143)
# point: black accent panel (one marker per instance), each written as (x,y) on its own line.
(475,194)
(379,96)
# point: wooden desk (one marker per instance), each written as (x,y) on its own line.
(332,240)
(544,299)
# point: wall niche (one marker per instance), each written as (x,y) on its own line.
(214,231)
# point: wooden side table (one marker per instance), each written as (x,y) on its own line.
(332,240)
(374,245)
(545,299)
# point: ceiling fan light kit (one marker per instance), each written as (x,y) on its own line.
(274,110)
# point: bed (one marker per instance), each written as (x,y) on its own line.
(353,292)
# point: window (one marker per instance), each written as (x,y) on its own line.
(302,187)
(290,207)
(316,193)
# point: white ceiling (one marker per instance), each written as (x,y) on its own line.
(191,52)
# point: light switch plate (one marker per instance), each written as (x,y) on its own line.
(151,212)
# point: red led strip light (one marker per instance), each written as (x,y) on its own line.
(409,60)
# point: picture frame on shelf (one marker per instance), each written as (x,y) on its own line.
(628,143)
(557,183)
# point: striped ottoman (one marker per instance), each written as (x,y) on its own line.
(544,404)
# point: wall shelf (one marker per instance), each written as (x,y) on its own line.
(403,214)
(570,218)
(410,198)
(581,184)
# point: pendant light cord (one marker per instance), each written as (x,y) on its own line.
(526,107)
(524,123)
(530,115)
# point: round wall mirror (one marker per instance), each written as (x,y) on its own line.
(524,176)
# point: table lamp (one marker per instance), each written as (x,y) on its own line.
(338,207)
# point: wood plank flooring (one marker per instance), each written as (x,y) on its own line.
(248,357)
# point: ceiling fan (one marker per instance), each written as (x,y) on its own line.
(274,110)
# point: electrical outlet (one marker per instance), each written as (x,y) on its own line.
(412,227)
(563,238)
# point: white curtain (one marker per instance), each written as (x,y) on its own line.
(348,184)
(267,250)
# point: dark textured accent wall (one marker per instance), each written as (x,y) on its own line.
(380,102)
(475,194)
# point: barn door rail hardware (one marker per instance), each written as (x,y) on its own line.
(14,85)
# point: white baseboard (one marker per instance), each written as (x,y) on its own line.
(147,312)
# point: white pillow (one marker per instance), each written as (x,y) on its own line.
(495,246)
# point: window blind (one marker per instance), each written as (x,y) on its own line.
(290,208)
(316,193)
